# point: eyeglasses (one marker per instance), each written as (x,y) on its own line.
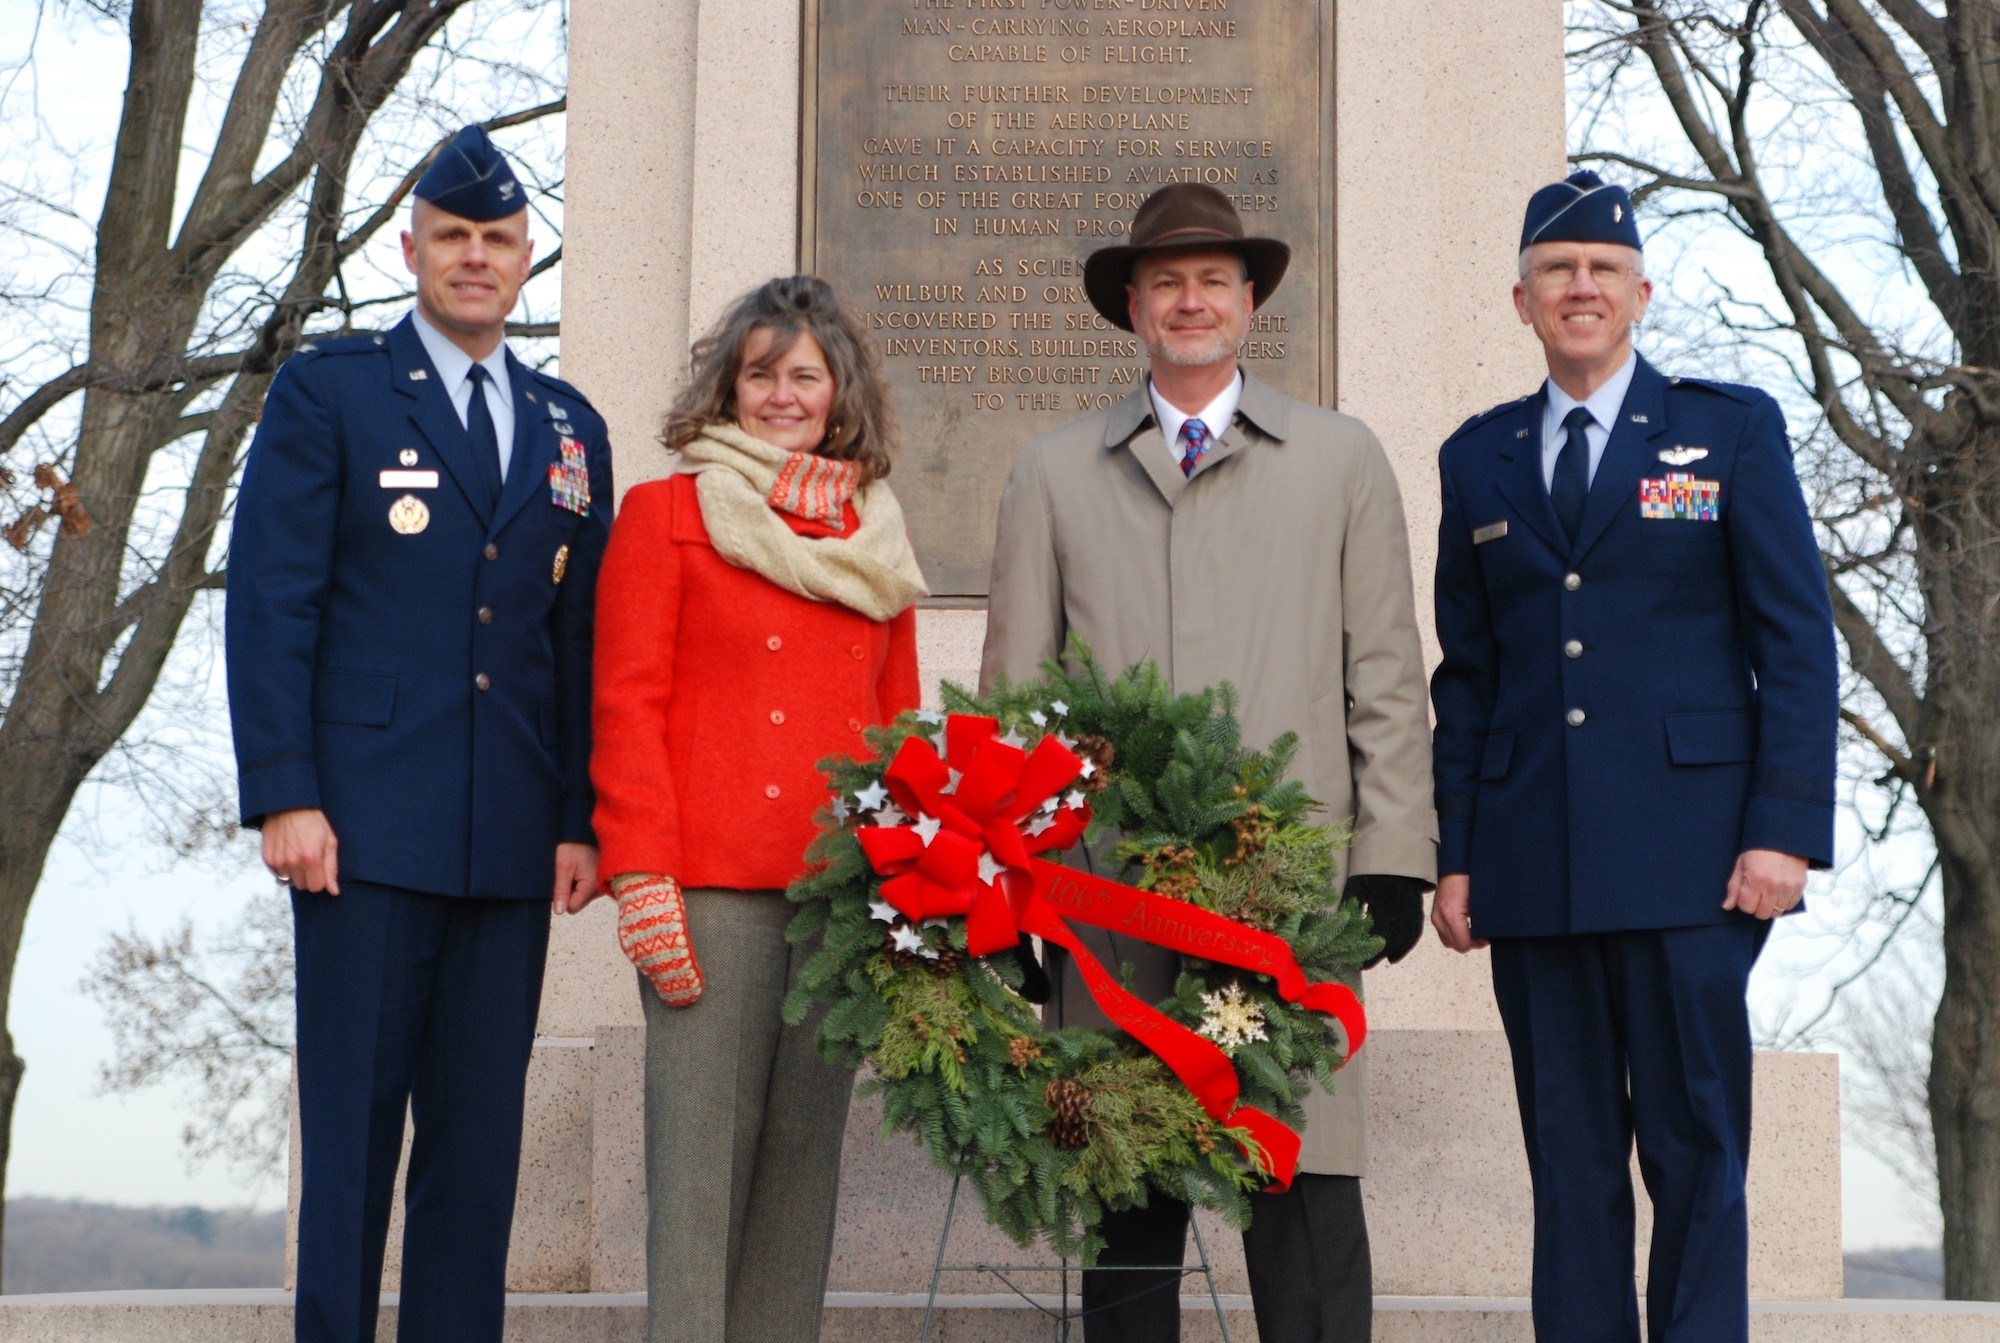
(1560,274)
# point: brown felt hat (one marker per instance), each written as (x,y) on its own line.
(1181,217)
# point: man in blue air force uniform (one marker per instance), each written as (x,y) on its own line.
(409,632)
(1634,765)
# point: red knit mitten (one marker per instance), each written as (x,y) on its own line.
(652,928)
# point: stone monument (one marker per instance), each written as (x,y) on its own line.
(947,164)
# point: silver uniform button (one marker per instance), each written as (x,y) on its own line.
(1572,581)
(483,681)
(1576,717)
(1573,649)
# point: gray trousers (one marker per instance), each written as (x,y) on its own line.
(743,1137)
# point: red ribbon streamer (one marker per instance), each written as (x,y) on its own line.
(978,793)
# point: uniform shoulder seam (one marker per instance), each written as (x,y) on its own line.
(565,388)
(1735,391)
(343,345)
(1483,416)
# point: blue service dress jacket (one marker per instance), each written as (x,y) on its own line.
(1618,718)
(401,655)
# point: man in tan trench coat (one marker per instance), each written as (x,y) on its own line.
(1230,533)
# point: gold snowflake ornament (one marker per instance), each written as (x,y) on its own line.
(1230,1019)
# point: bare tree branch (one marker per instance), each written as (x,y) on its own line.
(39,403)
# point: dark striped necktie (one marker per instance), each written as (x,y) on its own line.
(485,441)
(1571,485)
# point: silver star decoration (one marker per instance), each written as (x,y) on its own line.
(1075,800)
(884,911)
(873,796)
(1049,806)
(1064,740)
(889,816)
(927,827)
(840,811)
(990,868)
(1038,718)
(952,785)
(931,716)
(936,923)
(1040,823)
(1062,710)
(1013,738)
(927,953)
(907,938)
(1089,768)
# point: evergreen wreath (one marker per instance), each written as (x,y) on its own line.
(1055,1127)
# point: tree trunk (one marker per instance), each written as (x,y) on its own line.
(1965,1086)
(1955,487)
(29,817)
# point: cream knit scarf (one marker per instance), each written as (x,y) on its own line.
(874,571)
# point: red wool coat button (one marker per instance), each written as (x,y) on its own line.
(771,790)
(774,643)
(859,652)
(778,717)
(854,724)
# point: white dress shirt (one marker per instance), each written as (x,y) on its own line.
(454,366)
(1603,406)
(1217,415)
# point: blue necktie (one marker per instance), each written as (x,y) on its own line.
(1195,434)
(1571,485)
(485,442)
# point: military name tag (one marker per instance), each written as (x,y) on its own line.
(409,480)
(569,479)
(1492,531)
(1681,497)
(409,515)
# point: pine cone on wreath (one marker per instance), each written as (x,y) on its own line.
(1070,1104)
(948,960)
(1021,1051)
(1102,756)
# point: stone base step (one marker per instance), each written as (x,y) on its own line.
(262,1316)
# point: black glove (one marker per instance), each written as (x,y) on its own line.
(1396,904)
(1034,979)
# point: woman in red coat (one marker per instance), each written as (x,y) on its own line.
(755,614)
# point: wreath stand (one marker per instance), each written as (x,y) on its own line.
(1063,1316)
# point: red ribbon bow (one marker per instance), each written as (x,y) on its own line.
(978,794)
(967,854)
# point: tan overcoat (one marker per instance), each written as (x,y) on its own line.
(1281,567)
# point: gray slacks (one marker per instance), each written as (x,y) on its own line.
(743,1137)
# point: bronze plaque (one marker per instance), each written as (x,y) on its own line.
(965,156)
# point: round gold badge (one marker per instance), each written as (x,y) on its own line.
(409,515)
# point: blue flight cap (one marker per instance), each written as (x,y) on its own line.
(1582,208)
(472,179)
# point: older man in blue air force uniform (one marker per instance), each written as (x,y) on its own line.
(1634,763)
(411,580)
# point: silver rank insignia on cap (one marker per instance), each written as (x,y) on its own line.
(1617,213)
(1679,456)
(409,515)
(408,456)
(561,565)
